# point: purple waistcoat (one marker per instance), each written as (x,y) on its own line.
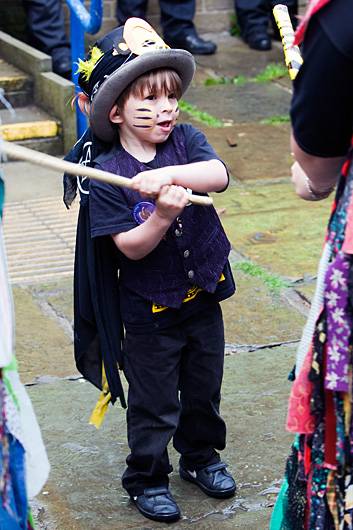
(195,248)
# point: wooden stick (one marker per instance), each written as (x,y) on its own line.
(41,159)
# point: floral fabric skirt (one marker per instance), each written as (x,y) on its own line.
(317,491)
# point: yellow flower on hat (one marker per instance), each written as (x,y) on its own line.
(86,67)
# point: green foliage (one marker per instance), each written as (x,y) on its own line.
(199,115)
(234,26)
(272,72)
(223,80)
(240,80)
(273,282)
(276,120)
(212,81)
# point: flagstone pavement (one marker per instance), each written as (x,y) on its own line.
(276,241)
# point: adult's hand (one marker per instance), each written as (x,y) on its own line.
(322,172)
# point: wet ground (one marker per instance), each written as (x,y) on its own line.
(276,242)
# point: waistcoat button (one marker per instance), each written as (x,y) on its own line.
(191,274)
(186,253)
(178,232)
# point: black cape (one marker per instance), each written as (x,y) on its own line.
(98,329)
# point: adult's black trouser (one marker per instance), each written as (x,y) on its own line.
(45,20)
(174,378)
(176,16)
(255,14)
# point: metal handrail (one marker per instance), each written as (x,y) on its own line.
(82,21)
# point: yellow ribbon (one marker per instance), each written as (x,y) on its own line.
(102,404)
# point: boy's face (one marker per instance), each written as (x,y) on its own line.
(150,118)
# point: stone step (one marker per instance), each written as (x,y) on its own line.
(27,80)
(46,250)
(17,86)
(32,127)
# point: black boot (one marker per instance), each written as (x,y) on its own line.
(191,42)
(258,38)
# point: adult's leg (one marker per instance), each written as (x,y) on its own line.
(151,367)
(201,429)
(177,18)
(45,20)
(252,13)
(130,8)
(178,27)
(253,18)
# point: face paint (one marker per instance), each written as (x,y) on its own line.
(152,118)
(144,118)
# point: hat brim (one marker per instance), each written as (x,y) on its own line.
(179,60)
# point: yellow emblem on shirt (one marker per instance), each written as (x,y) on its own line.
(190,295)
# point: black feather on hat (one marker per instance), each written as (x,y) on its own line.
(117,60)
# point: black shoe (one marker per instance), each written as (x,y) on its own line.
(214,480)
(157,504)
(259,41)
(193,44)
(62,62)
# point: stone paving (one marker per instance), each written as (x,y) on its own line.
(276,242)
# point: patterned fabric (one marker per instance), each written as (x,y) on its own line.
(322,457)
(14,508)
(299,417)
(339,324)
(13,495)
(24,466)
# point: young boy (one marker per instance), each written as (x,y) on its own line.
(173,262)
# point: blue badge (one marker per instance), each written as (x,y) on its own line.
(142,211)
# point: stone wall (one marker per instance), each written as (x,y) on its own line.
(212,16)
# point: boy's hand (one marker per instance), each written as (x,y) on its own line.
(149,183)
(171,202)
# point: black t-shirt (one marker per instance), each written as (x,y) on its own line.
(322,104)
(110,214)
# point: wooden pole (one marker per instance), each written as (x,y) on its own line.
(18,152)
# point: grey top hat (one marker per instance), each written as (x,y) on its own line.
(119,58)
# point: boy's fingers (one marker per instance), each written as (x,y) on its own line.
(163,191)
(136,181)
(148,195)
(174,196)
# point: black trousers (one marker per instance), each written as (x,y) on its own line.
(174,378)
(45,20)
(176,16)
(252,14)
